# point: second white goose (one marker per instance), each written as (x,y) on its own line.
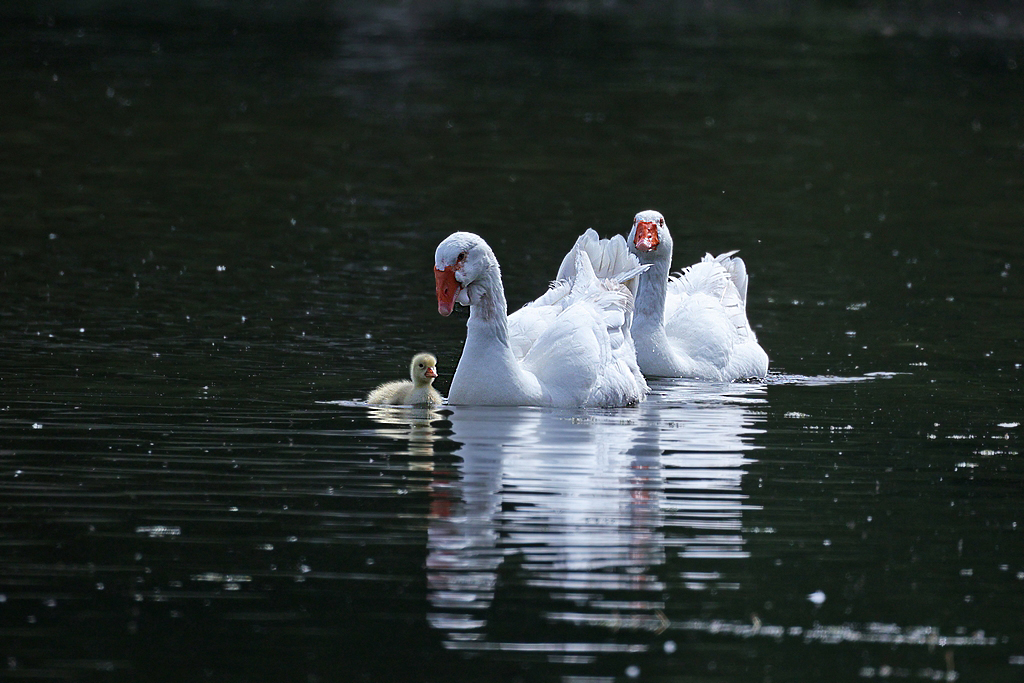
(693,324)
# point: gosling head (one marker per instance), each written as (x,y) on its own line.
(423,369)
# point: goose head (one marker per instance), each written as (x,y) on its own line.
(460,263)
(423,369)
(650,239)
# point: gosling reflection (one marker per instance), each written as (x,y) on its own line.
(413,424)
(587,511)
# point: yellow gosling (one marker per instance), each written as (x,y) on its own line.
(417,392)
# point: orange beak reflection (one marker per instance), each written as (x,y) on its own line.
(646,238)
(447,290)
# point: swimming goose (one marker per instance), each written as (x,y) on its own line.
(569,348)
(692,324)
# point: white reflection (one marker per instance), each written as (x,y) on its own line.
(411,423)
(584,509)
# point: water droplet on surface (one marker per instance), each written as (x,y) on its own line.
(817,597)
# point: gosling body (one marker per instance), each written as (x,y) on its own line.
(418,390)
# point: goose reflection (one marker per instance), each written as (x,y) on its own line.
(574,517)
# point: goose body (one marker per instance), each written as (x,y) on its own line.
(418,390)
(693,324)
(569,348)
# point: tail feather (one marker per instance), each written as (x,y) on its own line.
(737,271)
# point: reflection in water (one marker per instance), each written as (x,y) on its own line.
(411,423)
(584,507)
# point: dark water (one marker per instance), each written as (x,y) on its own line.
(213,242)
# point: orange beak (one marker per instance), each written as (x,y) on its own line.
(646,238)
(431,371)
(447,290)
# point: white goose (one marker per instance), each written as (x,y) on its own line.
(693,324)
(569,348)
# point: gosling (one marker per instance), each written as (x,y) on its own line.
(417,392)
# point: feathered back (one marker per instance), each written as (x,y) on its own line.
(723,278)
(610,259)
(593,318)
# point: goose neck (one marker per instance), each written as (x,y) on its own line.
(488,311)
(650,296)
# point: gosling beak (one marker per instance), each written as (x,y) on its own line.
(646,238)
(431,371)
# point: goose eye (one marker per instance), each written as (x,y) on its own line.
(462,257)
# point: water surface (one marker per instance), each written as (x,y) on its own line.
(215,242)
